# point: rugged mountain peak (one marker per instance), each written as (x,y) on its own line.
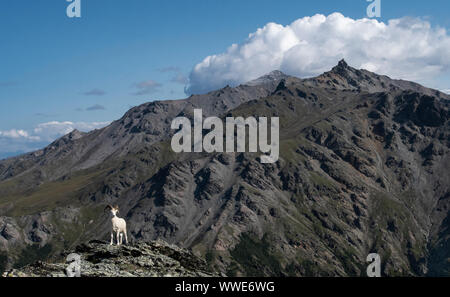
(276,73)
(75,134)
(342,64)
(344,77)
(270,77)
(68,138)
(343,69)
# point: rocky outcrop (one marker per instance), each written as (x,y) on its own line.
(140,259)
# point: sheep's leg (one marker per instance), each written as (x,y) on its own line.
(112,238)
(126,237)
(117,237)
(121,238)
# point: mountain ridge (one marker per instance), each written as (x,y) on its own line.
(271,79)
(362,168)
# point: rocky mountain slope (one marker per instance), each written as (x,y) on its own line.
(141,259)
(363,168)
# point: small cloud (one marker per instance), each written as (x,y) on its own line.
(96,107)
(180,78)
(91,108)
(146,87)
(45,115)
(22,141)
(52,130)
(169,69)
(18,134)
(94,92)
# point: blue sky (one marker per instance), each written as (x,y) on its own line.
(124,53)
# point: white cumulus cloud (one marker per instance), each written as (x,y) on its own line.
(15,134)
(52,130)
(19,140)
(408,48)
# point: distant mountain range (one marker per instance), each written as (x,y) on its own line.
(363,168)
(10,154)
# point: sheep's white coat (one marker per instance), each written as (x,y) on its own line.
(119,227)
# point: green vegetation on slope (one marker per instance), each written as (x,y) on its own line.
(3,260)
(32,254)
(254,256)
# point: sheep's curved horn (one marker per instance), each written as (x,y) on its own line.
(108,206)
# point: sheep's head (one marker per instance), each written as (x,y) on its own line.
(114,209)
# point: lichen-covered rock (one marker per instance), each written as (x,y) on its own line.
(140,259)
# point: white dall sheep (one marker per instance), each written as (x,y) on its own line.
(119,226)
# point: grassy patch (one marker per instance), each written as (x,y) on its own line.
(48,195)
(303,267)
(255,257)
(320,180)
(288,150)
(394,217)
(210,256)
(233,270)
(72,233)
(3,261)
(8,188)
(347,257)
(385,209)
(32,254)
